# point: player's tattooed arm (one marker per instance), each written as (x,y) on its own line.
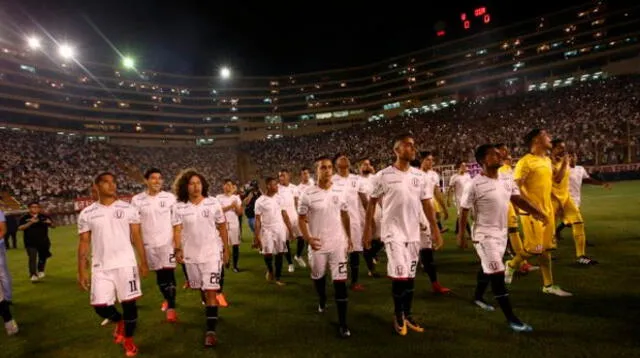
(138,244)
(464,218)
(84,247)
(525,205)
(346,225)
(177,243)
(430,213)
(369,227)
(257,243)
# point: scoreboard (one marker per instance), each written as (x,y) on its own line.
(477,18)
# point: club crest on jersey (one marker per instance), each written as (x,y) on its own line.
(162,204)
(399,271)
(335,199)
(353,183)
(118,214)
(415,182)
(205,213)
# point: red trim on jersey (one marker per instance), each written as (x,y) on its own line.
(400,278)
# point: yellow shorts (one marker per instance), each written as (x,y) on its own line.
(538,237)
(567,210)
(512,218)
(437,207)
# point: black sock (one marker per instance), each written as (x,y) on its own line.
(5,311)
(278,266)
(108,312)
(426,255)
(340,289)
(236,255)
(368,259)
(321,289)
(167,282)
(354,263)
(130,316)
(457,225)
(221,280)
(268,260)
(287,254)
(468,229)
(439,225)
(398,291)
(408,297)
(502,296)
(560,228)
(481,286)
(184,272)
(376,246)
(211,312)
(42,262)
(300,247)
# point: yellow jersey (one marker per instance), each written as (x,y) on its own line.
(561,190)
(536,174)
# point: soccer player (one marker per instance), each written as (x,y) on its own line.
(428,161)
(563,205)
(107,230)
(426,246)
(306,182)
(289,194)
(324,223)
(201,229)
(579,175)
(156,208)
(457,183)
(10,324)
(232,207)
(487,196)
(273,225)
(533,175)
(366,176)
(406,195)
(356,195)
(505,173)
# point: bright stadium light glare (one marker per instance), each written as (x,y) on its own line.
(128,62)
(33,42)
(66,51)
(225,72)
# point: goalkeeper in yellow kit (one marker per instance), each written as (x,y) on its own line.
(563,205)
(533,175)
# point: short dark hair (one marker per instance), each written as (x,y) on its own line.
(415,163)
(268,180)
(101,176)
(556,142)
(528,139)
(401,137)
(426,154)
(459,163)
(338,155)
(322,158)
(305,169)
(500,145)
(33,202)
(481,152)
(284,170)
(150,171)
(180,185)
(227,180)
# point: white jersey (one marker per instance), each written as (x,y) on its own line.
(110,234)
(488,199)
(433,178)
(352,186)
(302,187)
(323,210)
(156,213)
(458,183)
(201,241)
(270,210)
(367,184)
(402,204)
(576,175)
(288,194)
(231,215)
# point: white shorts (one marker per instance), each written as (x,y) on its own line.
(491,250)
(295,230)
(425,240)
(206,275)
(336,259)
(234,235)
(274,241)
(402,259)
(121,283)
(356,237)
(161,257)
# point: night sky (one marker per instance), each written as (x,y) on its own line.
(258,38)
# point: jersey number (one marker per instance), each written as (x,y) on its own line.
(172,258)
(133,286)
(414,265)
(215,278)
(342,267)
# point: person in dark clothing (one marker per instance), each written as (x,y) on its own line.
(251,195)
(36,239)
(12,232)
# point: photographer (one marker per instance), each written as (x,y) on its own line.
(36,239)
(250,196)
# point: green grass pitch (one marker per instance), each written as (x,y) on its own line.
(263,320)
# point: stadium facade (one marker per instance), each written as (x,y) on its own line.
(111,103)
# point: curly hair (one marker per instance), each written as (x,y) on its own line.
(181,183)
